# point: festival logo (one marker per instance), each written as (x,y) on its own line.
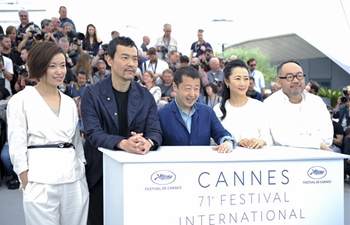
(317,172)
(163,177)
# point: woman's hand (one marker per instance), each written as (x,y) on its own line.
(24,179)
(253,143)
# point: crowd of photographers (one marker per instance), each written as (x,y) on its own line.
(86,64)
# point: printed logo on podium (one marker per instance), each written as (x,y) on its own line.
(317,172)
(163,177)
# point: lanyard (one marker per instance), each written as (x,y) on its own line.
(155,66)
(166,43)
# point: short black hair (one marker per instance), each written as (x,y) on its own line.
(184,59)
(250,60)
(187,71)
(124,41)
(279,67)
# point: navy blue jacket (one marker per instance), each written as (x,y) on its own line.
(100,117)
(205,125)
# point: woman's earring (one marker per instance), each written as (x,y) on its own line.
(226,85)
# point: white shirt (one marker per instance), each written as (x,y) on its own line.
(259,80)
(304,125)
(246,121)
(157,67)
(9,67)
(32,122)
(156,92)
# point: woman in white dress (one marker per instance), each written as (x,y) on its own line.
(45,146)
(242,116)
(149,80)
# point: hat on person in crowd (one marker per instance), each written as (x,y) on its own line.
(152,50)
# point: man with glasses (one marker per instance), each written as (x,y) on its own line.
(258,76)
(295,117)
(24,18)
(57,29)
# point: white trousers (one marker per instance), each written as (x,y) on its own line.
(58,204)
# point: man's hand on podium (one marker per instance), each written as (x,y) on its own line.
(135,144)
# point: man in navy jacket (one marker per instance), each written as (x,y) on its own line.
(118,114)
(184,121)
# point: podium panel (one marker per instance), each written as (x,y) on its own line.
(198,186)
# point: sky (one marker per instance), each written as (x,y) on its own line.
(325,23)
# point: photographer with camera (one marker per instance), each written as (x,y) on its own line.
(46,33)
(154,64)
(75,46)
(22,28)
(204,59)
(29,39)
(16,61)
(198,48)
(342,110)
(23,74)
(166,43)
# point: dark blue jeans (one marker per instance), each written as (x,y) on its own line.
(5,158)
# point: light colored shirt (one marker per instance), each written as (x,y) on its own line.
(157,67)
(259,80)
(9,67)
(187,118)
(246,121)
(304,125)
(32,122)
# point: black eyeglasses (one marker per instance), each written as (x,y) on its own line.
(252,65)
(290,77)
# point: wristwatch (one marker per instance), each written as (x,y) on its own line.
(3,69)
(151,142)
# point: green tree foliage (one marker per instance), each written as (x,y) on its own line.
(263,61)
(331,94)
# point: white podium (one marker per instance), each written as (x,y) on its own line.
(198,186)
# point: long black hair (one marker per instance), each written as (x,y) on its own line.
(225,89)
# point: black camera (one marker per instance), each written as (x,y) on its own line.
(34,34)
(204,61)
(164,51)
(79,36)
(72,54)
(22,70)
(104,47)
(344,99)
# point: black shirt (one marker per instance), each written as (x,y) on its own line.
(122,105)
(337,129)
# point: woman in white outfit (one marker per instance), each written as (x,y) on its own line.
(242,116)
(45,145)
